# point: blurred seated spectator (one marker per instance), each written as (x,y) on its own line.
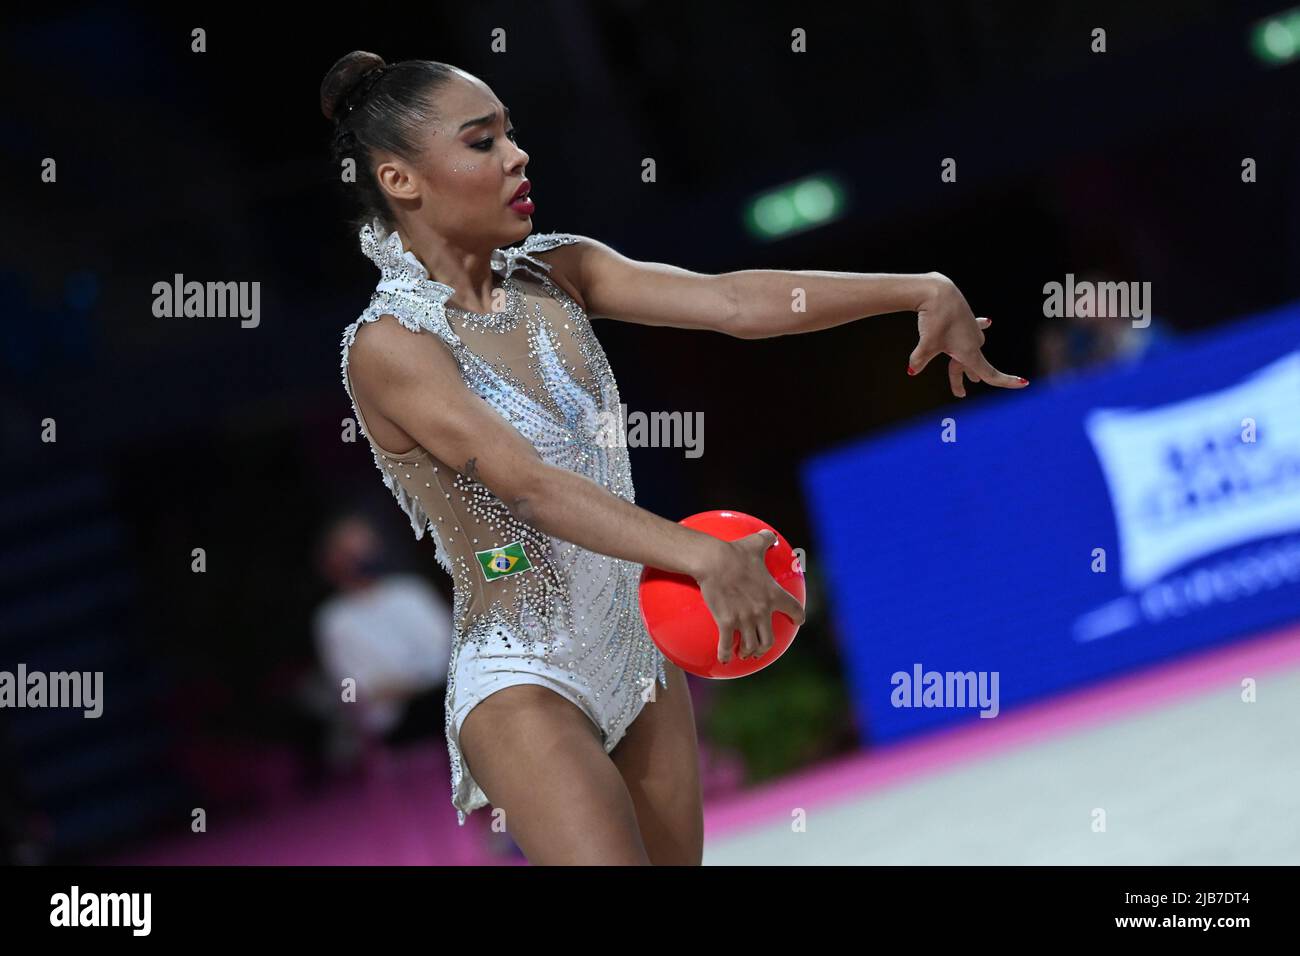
(390,632)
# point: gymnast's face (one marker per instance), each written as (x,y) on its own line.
(470,170)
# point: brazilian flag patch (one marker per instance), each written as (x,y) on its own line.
(504,561)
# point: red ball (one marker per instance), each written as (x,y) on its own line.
(681,624)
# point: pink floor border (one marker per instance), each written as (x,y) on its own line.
(892,764)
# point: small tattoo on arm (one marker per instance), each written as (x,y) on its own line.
(470,470)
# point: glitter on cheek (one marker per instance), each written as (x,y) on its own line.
(527,606)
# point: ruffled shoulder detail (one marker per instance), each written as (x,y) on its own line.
(398,267)
(506,261)
(404,290)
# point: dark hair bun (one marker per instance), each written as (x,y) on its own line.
(343,77)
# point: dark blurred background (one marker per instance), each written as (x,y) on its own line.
(176,434)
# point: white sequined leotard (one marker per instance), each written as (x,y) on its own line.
(529,608)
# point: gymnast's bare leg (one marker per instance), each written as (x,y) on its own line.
(659,760)
(540,758)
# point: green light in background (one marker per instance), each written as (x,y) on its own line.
(794,207)
(1276,40)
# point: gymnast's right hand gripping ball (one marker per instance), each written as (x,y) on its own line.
(680,622)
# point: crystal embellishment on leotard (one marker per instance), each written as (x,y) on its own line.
(500,322)
(571,618)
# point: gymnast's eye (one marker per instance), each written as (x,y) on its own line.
(484,145)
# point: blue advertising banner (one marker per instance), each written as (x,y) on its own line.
(1032,541)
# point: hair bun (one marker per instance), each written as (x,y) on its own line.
(344,77)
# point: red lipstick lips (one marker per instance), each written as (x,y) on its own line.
(520,202)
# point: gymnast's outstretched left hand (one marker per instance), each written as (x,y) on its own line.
(947,326)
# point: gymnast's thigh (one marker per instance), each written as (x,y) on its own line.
(539,757)
(659,760)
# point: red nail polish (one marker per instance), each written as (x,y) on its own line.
(910,371)
(1024,381)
